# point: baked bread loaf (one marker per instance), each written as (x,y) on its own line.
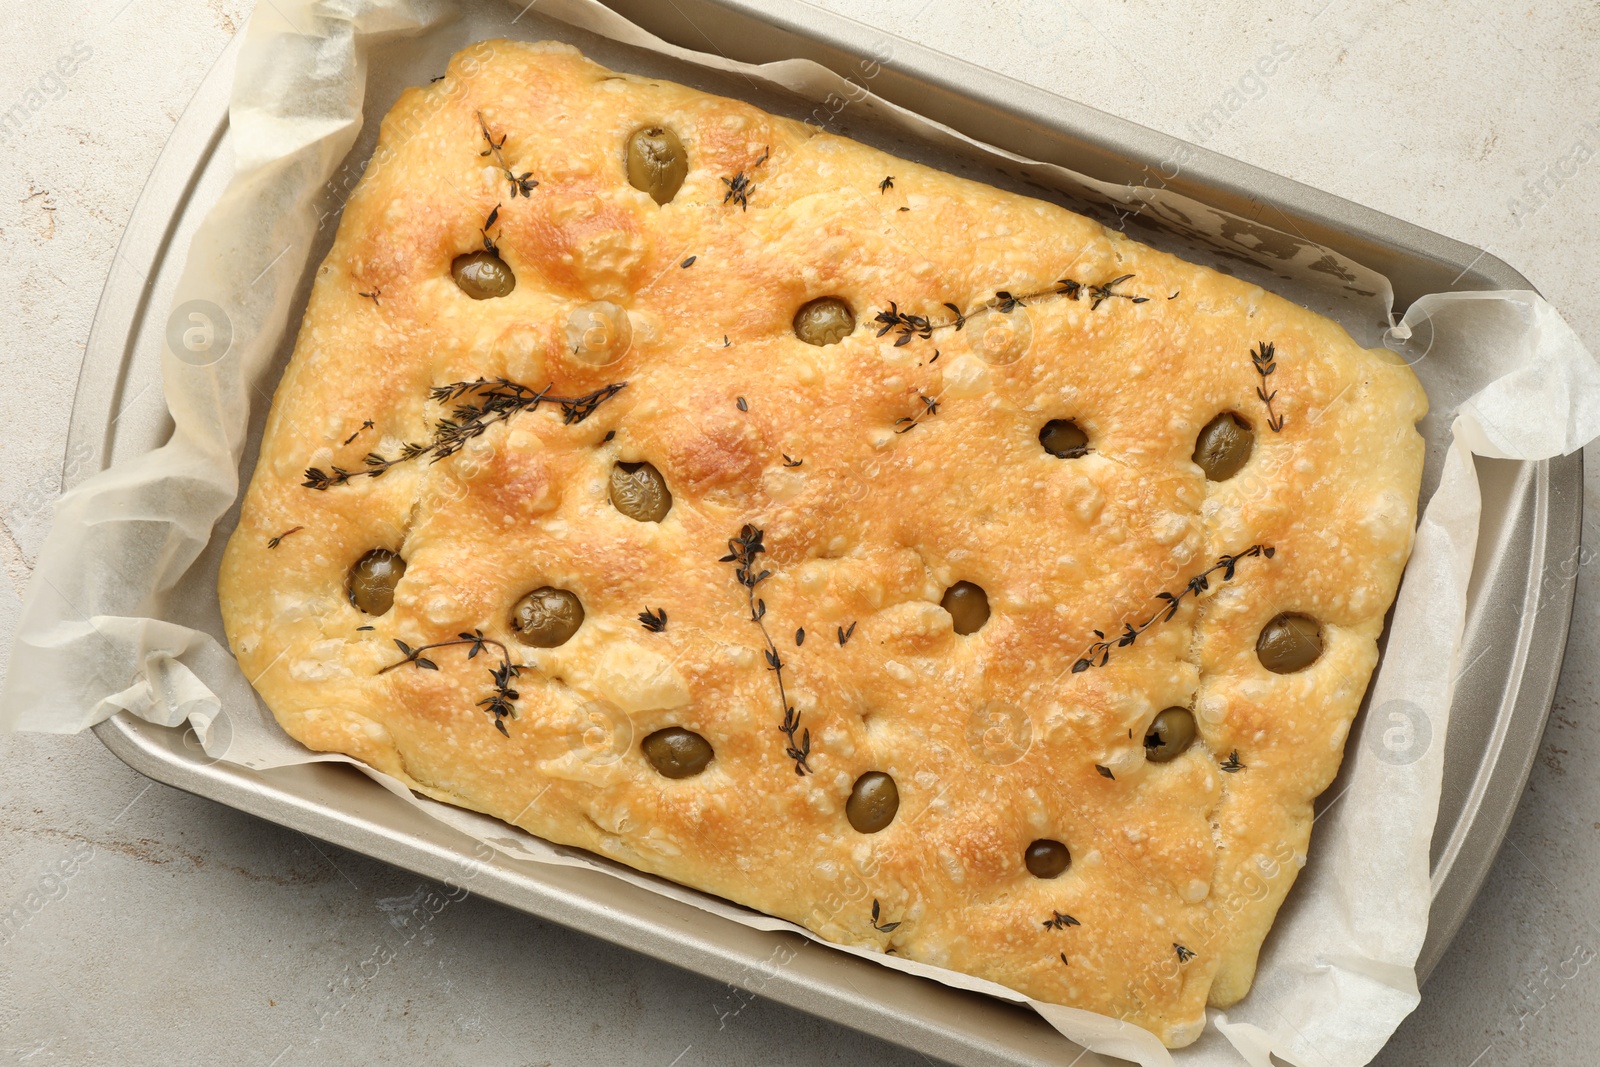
(919,562)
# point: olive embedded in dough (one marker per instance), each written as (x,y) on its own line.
(657,163)
(1046,858)
(483,275)
(824,321)
(873,802)
(639,492)
(1063,439)
(1290,642)
(1224,446)
(968,606)
(677,753)
(372,581)
(1170,733)
(547,617)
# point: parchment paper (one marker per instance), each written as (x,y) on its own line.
(132,549)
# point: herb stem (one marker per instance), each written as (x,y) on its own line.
(1005,302)
(1264,358)
(499,704)
(276,541)
(1100,651)
(481,404)
(742,552)
(520,183)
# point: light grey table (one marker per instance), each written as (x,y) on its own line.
(157,928)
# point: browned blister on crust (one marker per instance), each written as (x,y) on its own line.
(880,471)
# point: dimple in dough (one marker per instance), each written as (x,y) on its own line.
(881,470)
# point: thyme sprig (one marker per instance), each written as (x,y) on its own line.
(912,325)
(1232,765)
(882,928)
(740,186)
(499,703)
(654,621)
(845,635)
(1264,357)
(1100,651)
(739,190)
(909,325)
(1058,921)
(1184,954)
(1098,294)
(520,183)
(887,184)
(480,404)
(742,552)
(276,541)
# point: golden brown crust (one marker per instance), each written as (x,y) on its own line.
(993,740)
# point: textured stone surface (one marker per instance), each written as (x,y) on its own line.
(167,928)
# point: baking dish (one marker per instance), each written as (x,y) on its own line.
(1520,604)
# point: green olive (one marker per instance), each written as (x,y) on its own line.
(1224,446)
(639,492)
(483,275)
(372,581)
(873,802)
(968,606)
(1289,643)
(547,617)
(677,753)
(1046,858)
(657,163)
(1063,439)
(824,321)
(1170,733)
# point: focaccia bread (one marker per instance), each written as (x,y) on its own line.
(919,562)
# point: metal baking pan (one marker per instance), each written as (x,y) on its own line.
(1520,602)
